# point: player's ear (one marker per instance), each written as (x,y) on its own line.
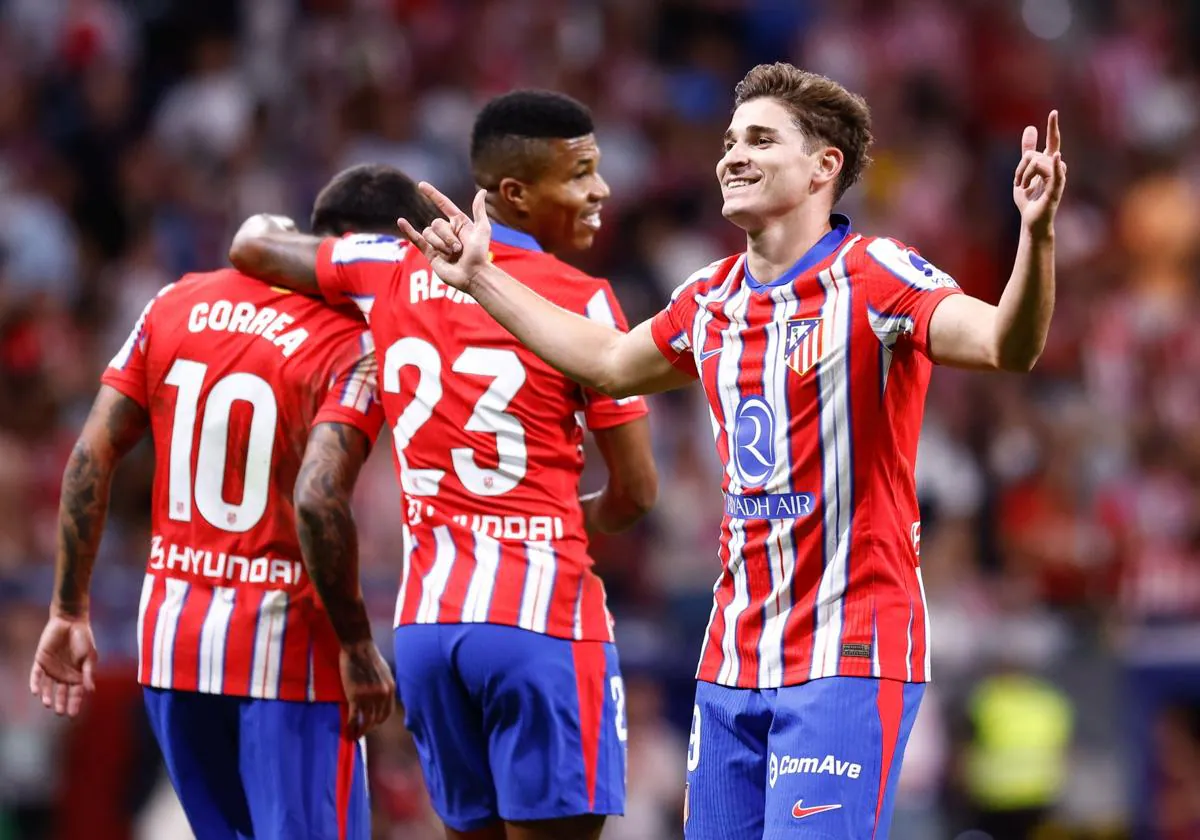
(515,193)
(829,166)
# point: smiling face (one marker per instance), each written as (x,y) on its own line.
(768,169)
(562,204)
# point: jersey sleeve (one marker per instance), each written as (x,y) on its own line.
(357,268)
(903,290)
(353,396)
(671,328)
(127,370)
(600,411)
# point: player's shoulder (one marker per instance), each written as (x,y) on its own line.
(560,281)
(704,279)
(369,248)
(889,257)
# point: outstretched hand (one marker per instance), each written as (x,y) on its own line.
(456,246)
(64,665)
(1040,178)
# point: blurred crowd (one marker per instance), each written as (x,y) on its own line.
(1061,510)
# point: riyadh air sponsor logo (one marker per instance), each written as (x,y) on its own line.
(800,812)
(830,765)
(754,441)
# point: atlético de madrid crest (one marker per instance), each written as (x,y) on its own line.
(803,347)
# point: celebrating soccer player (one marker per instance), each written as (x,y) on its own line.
(814,348)
(256,694)
(505,662)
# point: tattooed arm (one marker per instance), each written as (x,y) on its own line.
(66,653)
(329,543)
(114,425)
(268,248)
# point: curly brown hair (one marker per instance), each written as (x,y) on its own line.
(822,109)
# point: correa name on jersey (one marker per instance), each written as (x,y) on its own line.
(244,317)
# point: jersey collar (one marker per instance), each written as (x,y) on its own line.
(506,235)
(817,254)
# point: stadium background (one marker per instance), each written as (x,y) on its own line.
(1061,540)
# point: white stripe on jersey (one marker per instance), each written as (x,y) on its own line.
(780,546)
(908,639)
(833,381)
(729,363)
(162,670)
(212,640)
(928,675)
(123,355)
(478,601)
(696,342)
(888,329)
(876,669)
(359,391)
(143,603)
(312,687)
(434,584)
(578,629)
(539,586)
(268,645)
(408,543)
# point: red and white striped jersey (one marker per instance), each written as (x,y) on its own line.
(487,440)
(816,386)
(234,373)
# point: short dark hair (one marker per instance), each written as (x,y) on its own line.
(821,108)
(508,137)
(368,198)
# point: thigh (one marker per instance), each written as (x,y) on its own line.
(447,726)
(554,718)
(198,736)
(303,776)
(836,745)
(727,763)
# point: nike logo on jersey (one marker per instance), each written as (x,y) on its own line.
(800,812)
(708,354)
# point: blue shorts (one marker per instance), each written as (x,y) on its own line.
(511,724)
(817,760)
(262,769)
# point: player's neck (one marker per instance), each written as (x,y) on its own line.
(781,243)
(498,212)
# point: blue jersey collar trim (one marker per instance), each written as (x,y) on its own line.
(506,235)
(825,246)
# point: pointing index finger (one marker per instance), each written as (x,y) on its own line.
(1053,137)
(448,207)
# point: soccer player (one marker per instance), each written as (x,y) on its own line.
(505,662)
(814,348)
(256,694)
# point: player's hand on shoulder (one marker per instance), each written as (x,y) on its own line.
(369,686)
(261,224)
(1040,178)
(456,246)
(64,664)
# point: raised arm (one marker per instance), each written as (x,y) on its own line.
(268,248)
(329,543)
(66,653)
(602,357)
(967,332)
